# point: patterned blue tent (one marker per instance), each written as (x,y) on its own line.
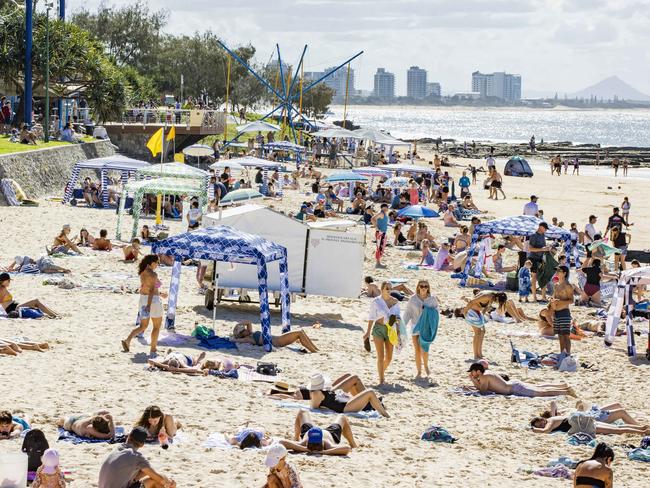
(224,243)
(126,166)
(519,225)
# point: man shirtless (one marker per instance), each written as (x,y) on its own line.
(559,305)
(97,426)
(310,438)
(487,381)
(102,243)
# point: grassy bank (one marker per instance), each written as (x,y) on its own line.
(8,147)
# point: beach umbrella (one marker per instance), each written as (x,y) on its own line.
(258,126)
(418,212)
(371,171)
(338,133)
(198,150)
(284,146)
(241,195)
(227,163)
(371,134)
(397,182)
(345,176)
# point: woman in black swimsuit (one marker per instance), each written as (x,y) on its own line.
(322,398)
(541,425)
(311,438)
(596,472)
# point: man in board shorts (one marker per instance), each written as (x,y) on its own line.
(562,298)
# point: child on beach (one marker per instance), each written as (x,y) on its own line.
(525,280)
(49,473)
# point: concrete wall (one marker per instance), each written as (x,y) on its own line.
(46,171)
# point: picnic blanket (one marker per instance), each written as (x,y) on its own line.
(67,436)
(368,414)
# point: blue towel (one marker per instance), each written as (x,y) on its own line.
(222,374)
(582,439)
(67,436)
(639,455)
(23,423)
(427,326)
(216,342)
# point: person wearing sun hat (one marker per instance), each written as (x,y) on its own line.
(49,473)
(281,473)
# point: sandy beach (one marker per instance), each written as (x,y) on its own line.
(85,370)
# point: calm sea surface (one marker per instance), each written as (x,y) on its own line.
(606,127)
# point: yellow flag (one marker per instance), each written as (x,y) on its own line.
(171,134)
(155,143)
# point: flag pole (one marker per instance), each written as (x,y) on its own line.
(159,195)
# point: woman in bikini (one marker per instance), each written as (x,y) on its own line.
(157,424)
(132,252)
(62,243)
(177,362)
(342,402)
(596,472)
(561,423)
(150,306)
(85,239)
(462,240)
(7,300)
(384,311)
(243,333)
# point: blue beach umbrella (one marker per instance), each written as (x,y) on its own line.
(241,195)
(344,176)
(418,212)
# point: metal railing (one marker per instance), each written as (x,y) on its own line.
(206,119)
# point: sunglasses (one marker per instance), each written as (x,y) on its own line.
(424,286)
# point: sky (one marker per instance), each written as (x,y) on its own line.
(555,45)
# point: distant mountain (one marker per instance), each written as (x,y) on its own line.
(610,88)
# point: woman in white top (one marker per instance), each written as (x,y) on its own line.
(416,303)
(384,311)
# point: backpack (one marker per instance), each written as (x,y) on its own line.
(34,445)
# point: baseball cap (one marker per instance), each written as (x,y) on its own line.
(50,460)
(275,455)
(543,224)
(315,435)
(139,435)
(533,197)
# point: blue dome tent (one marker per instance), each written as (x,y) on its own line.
(518,166)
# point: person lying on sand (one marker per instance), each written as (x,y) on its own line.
(248,437)
(13,348)
(158,424)
(311,438)
(342,402)
(8,428)
(487,381)
(97,426)
(349,383)
(541,425)
(608,414)
(45,265)
(243,334)
(177,362)
(132,252)
(7,300)
(102,243)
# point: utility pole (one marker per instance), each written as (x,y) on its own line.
(27,92)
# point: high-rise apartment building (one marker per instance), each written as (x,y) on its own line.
(416,82)
(434,90)
(336,81)
(500,85)
(384,84)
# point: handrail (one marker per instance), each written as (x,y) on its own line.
(171,116)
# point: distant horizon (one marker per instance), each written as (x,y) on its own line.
(549,43)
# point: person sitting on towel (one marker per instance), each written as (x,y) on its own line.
(243,333)
(97,426)
(487,381)
(311,438)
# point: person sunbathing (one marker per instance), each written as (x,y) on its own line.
(243,333)
(462,240)
(102,243)
(15,347)
(158,425)
(248,437)
(8,428)
(132,252)
(177,362)
(448,217)
(7,301)
(349,383)
(97,426)
(62,243)
(44,265)
(310,438)
(487,381)
(549,425)
(607,414)
(320,397)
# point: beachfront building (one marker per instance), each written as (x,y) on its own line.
(434,90)
(384,84)
(416,82)
(498,85)
(336,81)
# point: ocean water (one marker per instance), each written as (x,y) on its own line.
(605,127)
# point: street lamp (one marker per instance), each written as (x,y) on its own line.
(46,135)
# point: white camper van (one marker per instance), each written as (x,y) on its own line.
(325,257)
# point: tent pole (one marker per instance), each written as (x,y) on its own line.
(215,281)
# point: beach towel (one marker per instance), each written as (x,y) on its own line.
(557,471)
(564,461)
(582,439)
(427,327)
(67,436)
(367,414)
(473,392)
(217,440)
(475,319)
(545,275)
(174,340)
(248,374)
(639,455)
(437,434)
(209,340)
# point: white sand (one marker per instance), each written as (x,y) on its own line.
(85,370)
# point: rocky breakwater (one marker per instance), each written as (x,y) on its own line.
(46,171)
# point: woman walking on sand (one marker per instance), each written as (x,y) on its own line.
(384,313)
(151,306)
(423,317)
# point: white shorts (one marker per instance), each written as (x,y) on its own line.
(155,311)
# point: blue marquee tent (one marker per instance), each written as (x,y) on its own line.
(224,243)
(519,225)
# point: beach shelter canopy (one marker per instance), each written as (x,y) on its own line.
(518,166)
(345,176)
(338,133)
(173,170)
(389,140)
(519,225)
(198,150)
(224,243)
(264,164)
(126,166)
(157,186)
(397,182)
(370,134)
(371,171)
(623,299)
(406,168)
(227,163)
(257,126)
(284,146)
(244,194)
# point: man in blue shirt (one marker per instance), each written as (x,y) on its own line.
(380,222)
(464,184)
